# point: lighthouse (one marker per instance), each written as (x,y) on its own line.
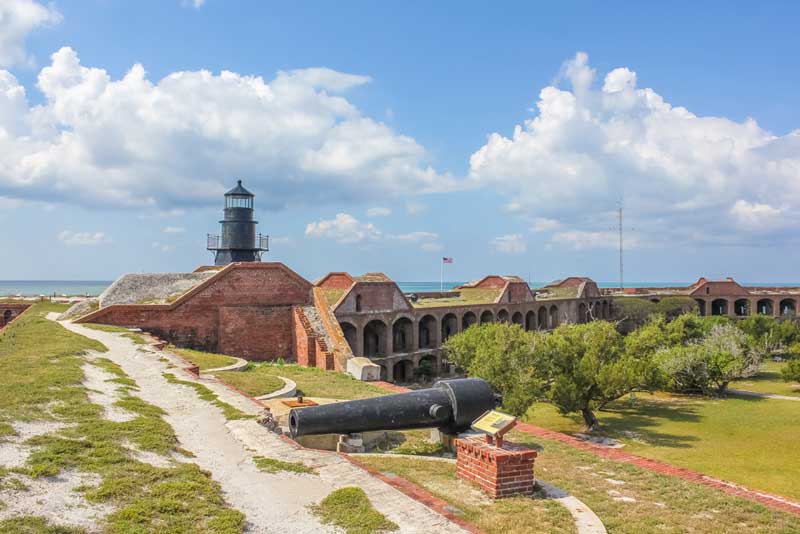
(238,240)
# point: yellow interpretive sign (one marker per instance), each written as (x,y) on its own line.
(494,423)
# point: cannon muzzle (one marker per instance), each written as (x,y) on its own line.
(450,405)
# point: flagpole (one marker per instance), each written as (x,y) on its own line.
(441,276)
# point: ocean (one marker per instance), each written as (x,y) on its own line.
(29,288)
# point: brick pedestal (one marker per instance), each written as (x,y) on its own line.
(499,471)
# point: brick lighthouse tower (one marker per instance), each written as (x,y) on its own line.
(238,240)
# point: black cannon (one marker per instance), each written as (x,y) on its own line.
(450,406)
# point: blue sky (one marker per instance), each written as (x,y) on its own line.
(380,137)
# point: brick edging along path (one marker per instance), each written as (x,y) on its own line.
(776,502)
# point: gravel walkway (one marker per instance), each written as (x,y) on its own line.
(762,395)
(271,502)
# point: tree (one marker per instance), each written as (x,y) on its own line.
(589,367)
(506,356)
(707,365)
(791,373)
(632,312)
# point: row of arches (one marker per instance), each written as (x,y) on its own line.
(744,307)
(377,339)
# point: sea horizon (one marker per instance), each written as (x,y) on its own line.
(92,288)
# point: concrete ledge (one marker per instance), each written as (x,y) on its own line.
(239,365)
(288,390)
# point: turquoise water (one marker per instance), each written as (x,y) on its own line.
(95,287)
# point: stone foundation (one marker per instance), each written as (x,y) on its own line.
(499,471)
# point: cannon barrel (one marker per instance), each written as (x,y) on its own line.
(450,405)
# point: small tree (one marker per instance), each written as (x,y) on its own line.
(590,368)
(791,373)
(632,312)
(671,307)
(707,365)
(506,356)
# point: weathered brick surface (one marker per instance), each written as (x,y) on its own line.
(245,310)
(336,281)
(310,349)
(498,471)
(10,311)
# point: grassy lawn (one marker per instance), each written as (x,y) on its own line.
(652,502)
(42,380)
(740,439)
(204,360)
(350,510)
(251,382)
(515,515)
(769,380)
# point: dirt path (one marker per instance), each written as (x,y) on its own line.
(762,395)
(271,502)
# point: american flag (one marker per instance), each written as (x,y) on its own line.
(445,259)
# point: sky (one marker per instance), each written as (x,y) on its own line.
(383,136)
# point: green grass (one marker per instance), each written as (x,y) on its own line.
(133,336)
(662,503)
(230,412)
(727,438)
(311,382)
(34,525)
(515,515)
(269,465)
(350,510)
(467,296)
(769,380)
(42,380)
(253,383)
(417,442)
(204,360)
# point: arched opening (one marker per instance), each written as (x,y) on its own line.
(553,316)
(427,367)
(788,307)
(719,307)
(542,324)
(427,332)
(403,371)
(487,317)
(358,303)
(581,313)
(7,315)
(502,316)
(701,306)
(402,335)
(468,320)
(741,307)
(375,339)
(655,301)
(530,321)
(517,318)
(384,373)
(605,314)
(765,307)
(350,334)
(449,326)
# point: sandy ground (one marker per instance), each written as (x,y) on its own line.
(271,502)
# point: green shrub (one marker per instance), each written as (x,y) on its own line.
(791,373)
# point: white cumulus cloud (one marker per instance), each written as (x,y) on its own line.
(181,140)
(589,147)
(80,239)
(509,244)
(17,19)
(344,228)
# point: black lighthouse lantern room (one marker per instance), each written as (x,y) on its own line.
(238,240)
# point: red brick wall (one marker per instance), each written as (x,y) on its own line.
(375,296)
(256,332)
(310,349)
(245,310)
(16,310)
(336,281)
(500,472)
(492,282)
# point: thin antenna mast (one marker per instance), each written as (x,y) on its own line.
(621,278)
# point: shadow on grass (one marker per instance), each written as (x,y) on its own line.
(643,419)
